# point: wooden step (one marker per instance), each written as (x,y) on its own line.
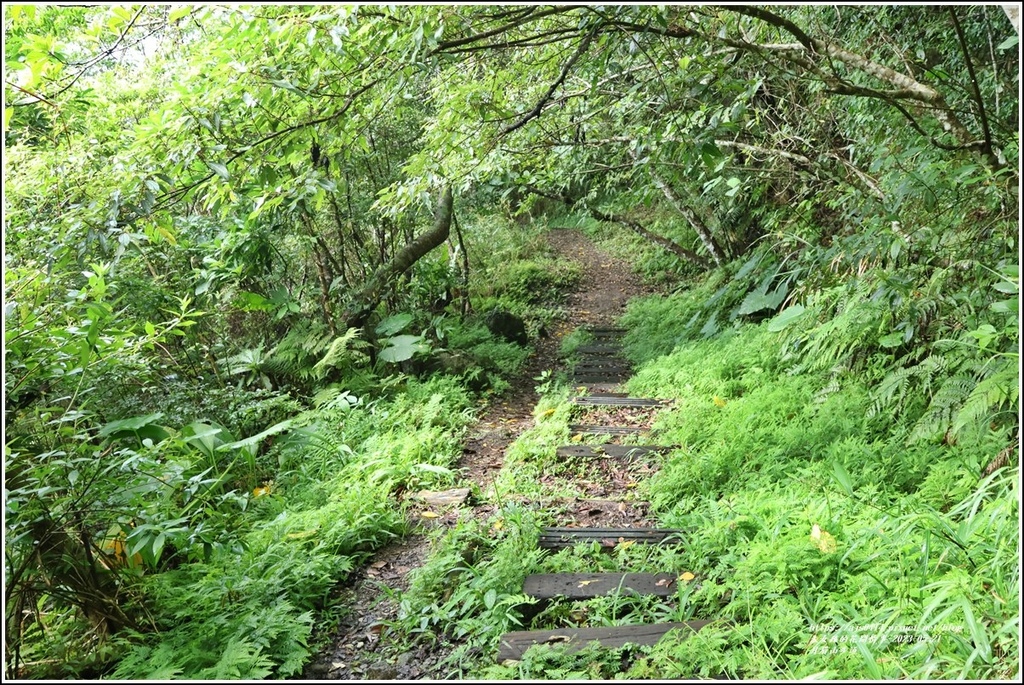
(590,585)
(601,367)
(600,350)
(604,330)
(515,644)
(585,429)
(602,378)
(601,400)
(560,538)
(613,451)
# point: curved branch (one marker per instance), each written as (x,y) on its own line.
(445,46)
(535,112)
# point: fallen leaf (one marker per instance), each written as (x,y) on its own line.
(300,534)
(430,515)
(664,582)
(547,412)
(577,438)
(608,542)
(822,539)
(626,544)
(719,402)
(378,564)
(687,577)
(584,583)
(557,638)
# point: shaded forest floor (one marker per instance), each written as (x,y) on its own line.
(359,646)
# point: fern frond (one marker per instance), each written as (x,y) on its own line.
(338,354)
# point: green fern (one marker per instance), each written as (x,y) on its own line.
(240,660)
(342,353)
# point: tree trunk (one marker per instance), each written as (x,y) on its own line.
(710,244)
(367,300)
(672,247)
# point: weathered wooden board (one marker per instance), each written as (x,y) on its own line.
(599,380)
(559,538)
(514,645)
(601,400)
(586,429)
(590,585)
(604,330)
(600,350)
(608,364)
(614,451)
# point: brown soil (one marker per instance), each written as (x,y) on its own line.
(358,647)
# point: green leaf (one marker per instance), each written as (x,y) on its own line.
(129,425)
(403,347)
(1011,306)
(393,324)
(785,318)
(220,170)
(1007,287)
(1008,43)
(891,340)
(843,478)
(256,439)
(178,13)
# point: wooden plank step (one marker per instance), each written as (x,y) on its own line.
(599,400)
(597,330)
(606,364)
(515,644)
(586,429)
(560,538)
(600,349)
(612,451)
(599,380)
(590,585)
(602,371)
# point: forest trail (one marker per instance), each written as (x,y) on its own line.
(357,648)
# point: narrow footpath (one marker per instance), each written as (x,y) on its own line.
(355,650)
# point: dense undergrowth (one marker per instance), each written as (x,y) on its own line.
(224,510)
(233,336)
(846,480)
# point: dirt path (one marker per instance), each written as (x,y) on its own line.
(356,650)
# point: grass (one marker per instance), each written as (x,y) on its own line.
(822,542)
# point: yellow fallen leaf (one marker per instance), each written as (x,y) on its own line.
(626,544)
(301,534)
(429,515)
(687,577)
(577,438)
(584,583)
(822,539)
(547,412)
(719,402)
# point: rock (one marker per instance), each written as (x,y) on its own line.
(319,668)
(381,670)
(508,326)
(444,498)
